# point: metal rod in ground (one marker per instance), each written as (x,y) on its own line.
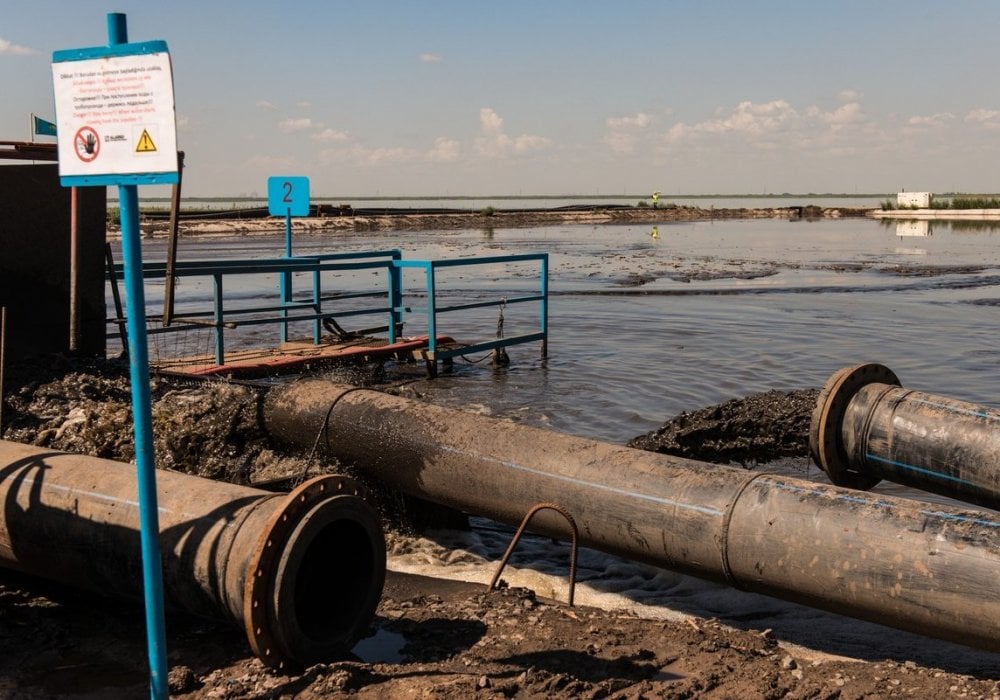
(925,568)
(116,295)
(866,427)
(300,573)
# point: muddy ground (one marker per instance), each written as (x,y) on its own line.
(489,218)
(431,638)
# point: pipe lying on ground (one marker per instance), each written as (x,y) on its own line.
(866,427)
(924,568)
(301,572)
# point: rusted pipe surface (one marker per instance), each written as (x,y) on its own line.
(302,573)
(875,429)
(923,568)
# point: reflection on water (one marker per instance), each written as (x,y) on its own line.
(926,227)
(913,228)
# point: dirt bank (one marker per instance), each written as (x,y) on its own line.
(431,638)
(492,219)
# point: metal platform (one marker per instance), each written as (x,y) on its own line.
(297,356)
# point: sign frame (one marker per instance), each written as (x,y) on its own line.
(288,195)
(167,132)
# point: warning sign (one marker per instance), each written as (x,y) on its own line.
(145,144)
(120,106)
(87,144)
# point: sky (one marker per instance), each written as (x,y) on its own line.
(549,97)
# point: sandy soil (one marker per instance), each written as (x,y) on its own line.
(431,638)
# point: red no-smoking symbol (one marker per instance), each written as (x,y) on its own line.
(87,143)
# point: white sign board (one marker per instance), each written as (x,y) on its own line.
(115,115)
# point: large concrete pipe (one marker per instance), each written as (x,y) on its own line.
(927,569)
(866,428)
(301,572)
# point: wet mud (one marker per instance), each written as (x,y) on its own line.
(756,429)
(490,218)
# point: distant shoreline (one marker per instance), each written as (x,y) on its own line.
(401,220)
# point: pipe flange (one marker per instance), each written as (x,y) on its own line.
(263,633)
(826,444)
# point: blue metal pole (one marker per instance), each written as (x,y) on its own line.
(431,310)
(220,343)
(395,296)
(149,527)
(545,305)
(286,277)
(317,307)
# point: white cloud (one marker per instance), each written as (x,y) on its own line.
(12,49)
(622,135)
(445,150)
(431,58)
(753,119)
(331,136)
(290,125)
(264,104)
(840,118)
(621,142)
(986,118)
(494,143)
(362,156)
(305,104)
(774,125)
(639,121)
(271,162)
(929,121)
(849,96)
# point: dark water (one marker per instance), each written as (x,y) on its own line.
(642,328)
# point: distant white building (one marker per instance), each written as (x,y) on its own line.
(919,200)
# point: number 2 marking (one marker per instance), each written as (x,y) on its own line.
(287,199)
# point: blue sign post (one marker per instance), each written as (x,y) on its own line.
(109,143)
(287,197)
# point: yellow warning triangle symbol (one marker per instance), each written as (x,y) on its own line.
(145,144)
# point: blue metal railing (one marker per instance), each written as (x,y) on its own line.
(315,305)
(433,309)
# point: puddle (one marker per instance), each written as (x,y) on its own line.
(383,647)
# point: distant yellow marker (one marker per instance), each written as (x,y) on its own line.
(655,233)
(145,144)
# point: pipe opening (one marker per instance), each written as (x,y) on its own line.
(334,579)
(329,580)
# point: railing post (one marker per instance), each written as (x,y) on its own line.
(220,347)
(545,305)
(317,306)
(395,295)
(286,276)
(431,318)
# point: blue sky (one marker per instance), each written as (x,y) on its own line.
(553,97)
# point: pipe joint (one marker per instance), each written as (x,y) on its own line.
(826,439)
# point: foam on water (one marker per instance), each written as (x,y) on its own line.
(615,584)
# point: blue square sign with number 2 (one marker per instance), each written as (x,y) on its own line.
(288,195)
